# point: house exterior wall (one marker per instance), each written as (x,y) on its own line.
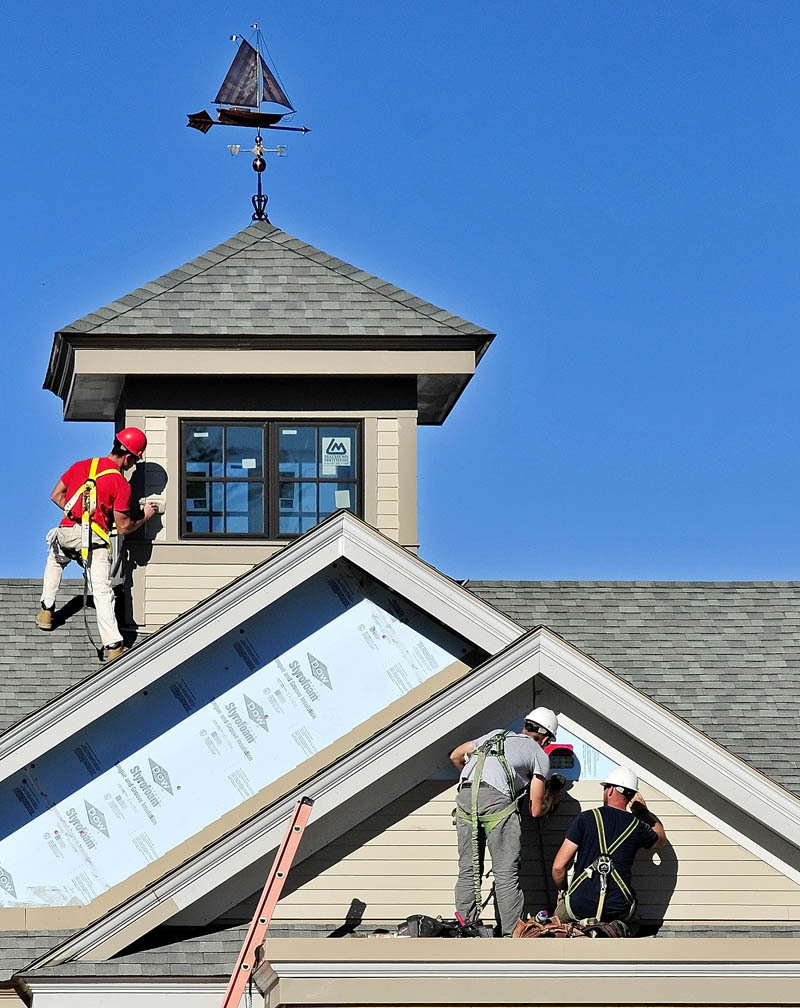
(168,575)
(402,861)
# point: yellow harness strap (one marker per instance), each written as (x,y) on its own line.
(88,492)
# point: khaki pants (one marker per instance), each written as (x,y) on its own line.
(69,538)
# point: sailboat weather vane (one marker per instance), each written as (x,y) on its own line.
(248,84)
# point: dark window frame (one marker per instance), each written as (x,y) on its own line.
(271,477)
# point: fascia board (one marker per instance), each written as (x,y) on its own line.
(398,743)
(665,733)
(100,990)
(342,535)
(439,596)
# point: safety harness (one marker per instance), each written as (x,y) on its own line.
(494,746)
(87,494)
(604,867)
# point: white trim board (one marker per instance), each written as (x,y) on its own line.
(662,785)
(430,725)
(340,536)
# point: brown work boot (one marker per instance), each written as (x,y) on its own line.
(44,618)
(115,650)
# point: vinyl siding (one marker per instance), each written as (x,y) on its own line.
(402,861)
(177,574)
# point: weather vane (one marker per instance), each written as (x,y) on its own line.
(247,85)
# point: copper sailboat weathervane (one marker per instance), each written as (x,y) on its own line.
(248,84)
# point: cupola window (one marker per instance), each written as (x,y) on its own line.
(274,479)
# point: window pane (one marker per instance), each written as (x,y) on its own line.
(244,508)
(297,451)
(244,454)
(298,507)
(337,451)
(204,512)
(334,496)
(203,450)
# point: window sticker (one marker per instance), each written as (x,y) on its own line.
(200,433)
(249,463)
(342,498)
(336,451)
(286,430)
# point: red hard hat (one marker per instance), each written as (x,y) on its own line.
(133,440)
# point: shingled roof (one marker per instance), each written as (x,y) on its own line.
(263,281)
(724,656)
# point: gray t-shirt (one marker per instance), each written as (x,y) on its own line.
(524,756)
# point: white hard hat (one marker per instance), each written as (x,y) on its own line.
(623,779)
(544,718)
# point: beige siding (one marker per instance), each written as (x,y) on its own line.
(402,860)
(165,585)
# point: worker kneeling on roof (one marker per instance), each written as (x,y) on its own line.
(94,496)
(603,843)
(497,771)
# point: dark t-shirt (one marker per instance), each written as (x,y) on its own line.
(583,832)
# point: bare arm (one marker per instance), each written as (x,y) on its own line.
(461,754)
(59,495)
(638,807)
(125,524)
(562,862)
(538,804)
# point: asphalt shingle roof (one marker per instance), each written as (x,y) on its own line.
(264,282)
(724,656)
(36,667)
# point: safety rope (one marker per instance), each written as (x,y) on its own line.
(87,493)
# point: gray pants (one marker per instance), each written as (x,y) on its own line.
(505,849)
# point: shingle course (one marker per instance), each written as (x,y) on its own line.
(258,262)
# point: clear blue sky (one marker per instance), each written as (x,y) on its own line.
(614,188)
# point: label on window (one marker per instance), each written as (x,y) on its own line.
(248,463)
(341,499)
(336,451)
(200,433)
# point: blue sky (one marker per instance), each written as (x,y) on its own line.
(611,187)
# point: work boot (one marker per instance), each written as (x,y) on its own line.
(44,617)
(115,650)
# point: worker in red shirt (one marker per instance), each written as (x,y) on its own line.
(113,493)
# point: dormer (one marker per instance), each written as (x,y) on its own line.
(276,384)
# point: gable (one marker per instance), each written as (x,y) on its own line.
(411,747)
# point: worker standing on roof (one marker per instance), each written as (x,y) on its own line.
(603,843)
(94,494)
(497,770)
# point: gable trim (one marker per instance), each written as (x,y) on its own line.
(671,737)
(340,536)
(602,746)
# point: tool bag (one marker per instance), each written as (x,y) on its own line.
(604,866)
(556,928)
(422,926)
